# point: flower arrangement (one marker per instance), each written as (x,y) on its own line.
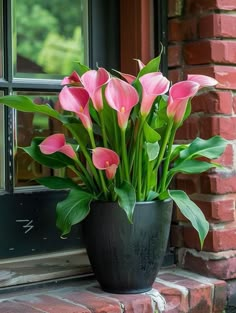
(120,142)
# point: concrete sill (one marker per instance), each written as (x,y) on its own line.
(183,291)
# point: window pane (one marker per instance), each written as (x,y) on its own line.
(2,150)
(50,36)
(31,125)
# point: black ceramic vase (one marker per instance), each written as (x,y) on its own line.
(126,257)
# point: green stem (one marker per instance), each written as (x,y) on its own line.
(124,155)
(104,136)
(167,161)
(164,144)
(85,153)
(103,184)
(140,161)
(85,174)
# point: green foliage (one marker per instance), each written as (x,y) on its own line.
(51,37)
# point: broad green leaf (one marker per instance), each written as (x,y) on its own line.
(176,149)
(192,212)
(78,130)
(192,167)
(55,160)
(81,68)
(25,104)
(150,134)
(126,198)
(152,195)
(152,150)
(211,148)
(151,66)
(73,210)
(55,182)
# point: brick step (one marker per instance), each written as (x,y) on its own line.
(183,292)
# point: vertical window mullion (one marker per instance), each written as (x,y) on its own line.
(9,114)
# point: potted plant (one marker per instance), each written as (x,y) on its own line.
(120,147)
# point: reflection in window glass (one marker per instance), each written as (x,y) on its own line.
(50,36)
(31,125)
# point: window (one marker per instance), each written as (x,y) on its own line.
(39,42)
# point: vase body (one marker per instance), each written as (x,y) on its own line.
(126,257)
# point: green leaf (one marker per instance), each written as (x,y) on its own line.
(81,68)
(176,149)
(152,195)
(192,167)
(55,182)
(152,150)
(73,210)
(151,66)
(126,198)
(25,104)
(192,212)
(55,160)
(211,148)
(150,134)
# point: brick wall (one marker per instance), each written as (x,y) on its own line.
(202,40)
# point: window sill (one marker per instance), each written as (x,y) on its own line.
(41,268)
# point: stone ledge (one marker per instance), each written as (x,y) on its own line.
(183,291)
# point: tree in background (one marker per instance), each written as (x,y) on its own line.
(49,33)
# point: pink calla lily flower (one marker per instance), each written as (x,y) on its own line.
(122,97)
(73,79)
(106,159)
(154,84)
(179,95)
(93,81)
(203,80)
(57,143)
(76,99)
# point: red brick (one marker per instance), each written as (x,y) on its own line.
(219,267)
(216,240)
(213,102)
(218,125)
(13,307)
(175,75)
(94,302)
(212,51)
(219,296)
(227,158)
(174,55)
(188,183)
(218,25)
(221,183)
(193,6)
(189,129)
(217,211)
(189,28)
(198,52)
(234,104)
(49,304)
(176,236)
(174,30)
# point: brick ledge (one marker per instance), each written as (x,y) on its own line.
(182,290)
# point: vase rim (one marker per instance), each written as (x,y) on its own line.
(137,202)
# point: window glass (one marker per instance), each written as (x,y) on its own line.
(2,155)
(31,125)
(50,37)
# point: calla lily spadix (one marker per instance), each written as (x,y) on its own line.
(106,159)
(57,143)
(73,79)
(93,81)
(153,84)
(179,95)
(122,97)
(76,99)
